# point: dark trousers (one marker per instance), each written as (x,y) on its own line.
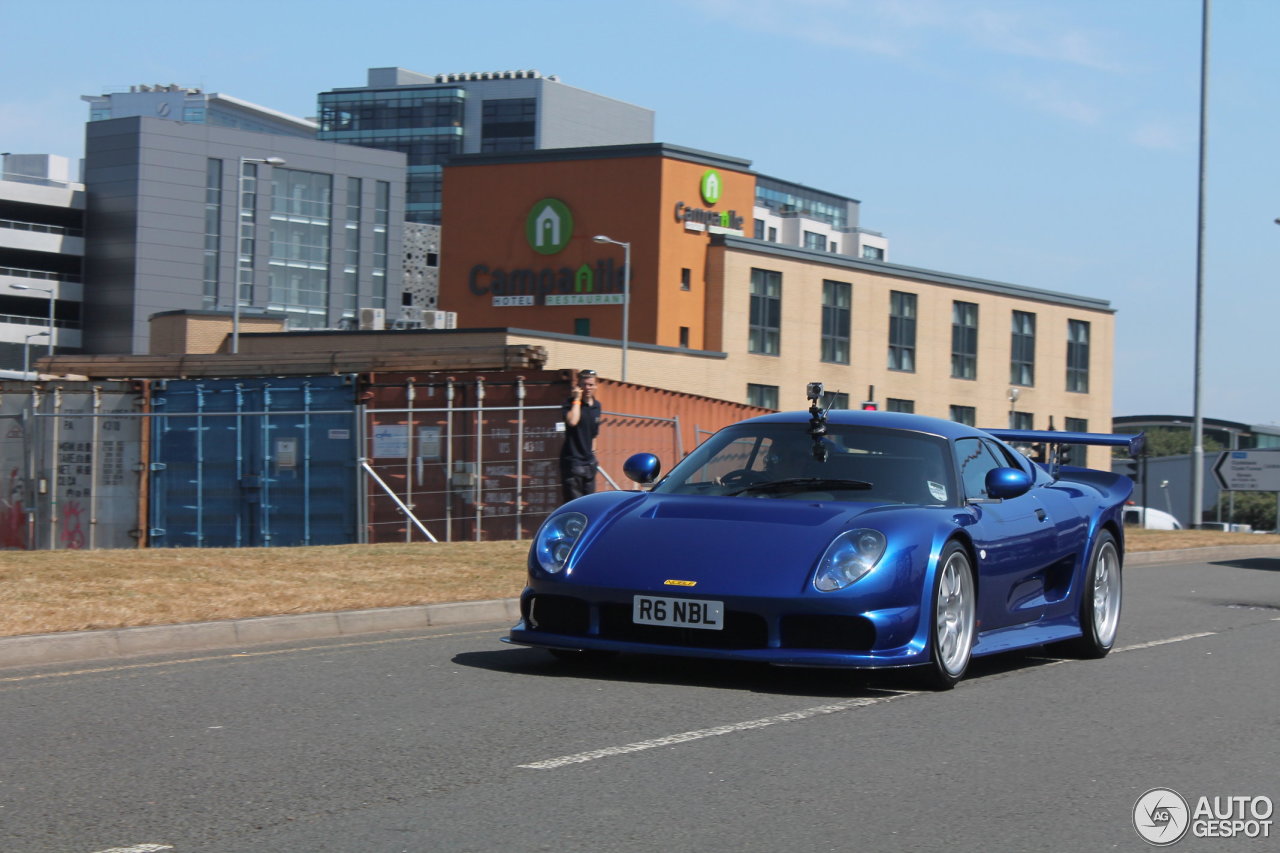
(577,478)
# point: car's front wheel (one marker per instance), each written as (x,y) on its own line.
(953,619)
(1100,603)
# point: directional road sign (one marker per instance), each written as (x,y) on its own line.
(1248,470)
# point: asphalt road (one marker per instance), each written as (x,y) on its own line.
(445,740)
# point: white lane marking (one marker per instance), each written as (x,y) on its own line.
(139,848)
(1155,643)
(698,734)
(794,716)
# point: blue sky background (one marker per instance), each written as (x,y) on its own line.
(1047,143)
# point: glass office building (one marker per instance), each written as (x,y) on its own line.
(432,117)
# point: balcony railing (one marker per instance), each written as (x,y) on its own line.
(71,278)
(23,320)
(43,229)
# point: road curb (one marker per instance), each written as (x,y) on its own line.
(1214,554)
(36,649)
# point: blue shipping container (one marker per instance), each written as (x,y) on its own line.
(253,462)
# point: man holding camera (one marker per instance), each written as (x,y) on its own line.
(581,414)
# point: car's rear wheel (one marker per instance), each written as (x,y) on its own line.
(953,619)
(1100,603)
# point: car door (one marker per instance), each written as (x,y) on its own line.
(1014,538)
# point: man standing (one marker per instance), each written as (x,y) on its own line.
(581,413)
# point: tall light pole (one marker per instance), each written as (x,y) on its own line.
(1197,427)
(240,226)
(51,294)
(26,351)
(626,294)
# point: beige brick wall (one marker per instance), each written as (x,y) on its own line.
(930,386)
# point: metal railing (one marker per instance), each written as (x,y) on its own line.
(16,225)
(40,274)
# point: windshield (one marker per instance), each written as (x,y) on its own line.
(770,460)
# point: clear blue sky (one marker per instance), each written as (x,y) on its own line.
(1047,143)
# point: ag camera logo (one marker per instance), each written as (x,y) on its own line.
(1161,817)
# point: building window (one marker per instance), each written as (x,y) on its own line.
(966,415)
(1021,420)
(814,240)
(508,124)
(582,327)
(349,299)
(1075,454)
(1022,363)
(773,234)
(758,231)
(765,329)
(684,337)
(837,298)
(381,220)
(837,400)
(686,278)
(902,331)
(1078,356)
(872,253)
(895,405)
(212,230)
(964,340)
(764,396)
(298,269)
(247,250)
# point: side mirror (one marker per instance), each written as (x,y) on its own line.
(1007,483)
(642,468)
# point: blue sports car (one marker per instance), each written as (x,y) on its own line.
(838,539)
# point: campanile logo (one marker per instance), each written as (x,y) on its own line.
(549,226)
(710,186)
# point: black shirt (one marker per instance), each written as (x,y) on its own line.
(578,440)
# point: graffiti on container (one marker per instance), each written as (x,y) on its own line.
(13,522)
(73,537)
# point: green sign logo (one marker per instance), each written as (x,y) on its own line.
(710,186)
(549,226)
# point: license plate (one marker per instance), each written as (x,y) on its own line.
(677,612)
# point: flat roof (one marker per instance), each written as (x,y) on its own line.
(764,247)
(603,152)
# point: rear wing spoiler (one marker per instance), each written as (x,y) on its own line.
(1050,444)
(1134,442)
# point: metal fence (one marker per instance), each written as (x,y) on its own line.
(95,470)
(476,472)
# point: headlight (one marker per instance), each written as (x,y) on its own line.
(850,556)
(556,539)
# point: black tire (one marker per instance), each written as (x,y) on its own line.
(952,619)
(1100,601)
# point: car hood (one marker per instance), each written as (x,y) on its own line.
(715,545)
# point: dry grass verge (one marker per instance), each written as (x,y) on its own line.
(47,591)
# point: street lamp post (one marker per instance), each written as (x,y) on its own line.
(26,351)
(51,294)
(235,292)
(626,294)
